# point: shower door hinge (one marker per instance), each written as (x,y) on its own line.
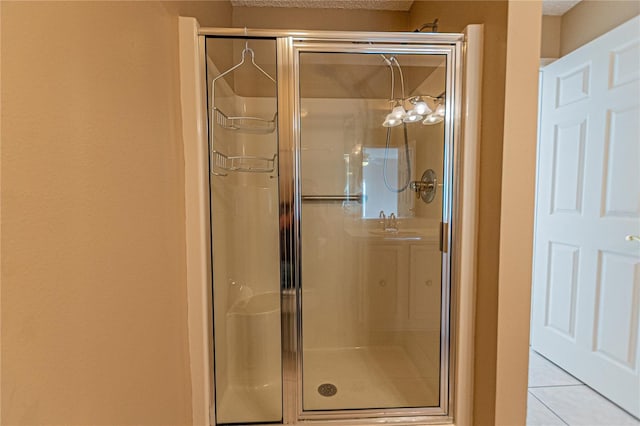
(444,237)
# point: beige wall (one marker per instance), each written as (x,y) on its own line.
(584,22)
(453,17)
(590,19)
(319,19)
(550,39)
(516,219)
(93,240)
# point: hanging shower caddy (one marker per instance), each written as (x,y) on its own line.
(244,124)
(242,163)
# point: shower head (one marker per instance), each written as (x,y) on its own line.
(398,114)
(433,25)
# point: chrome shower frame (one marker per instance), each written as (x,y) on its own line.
(290,44)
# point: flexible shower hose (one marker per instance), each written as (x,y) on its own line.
(406,153)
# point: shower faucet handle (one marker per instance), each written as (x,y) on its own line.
(418,187)
(426,187)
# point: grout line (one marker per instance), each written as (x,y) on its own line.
(580,383)
(549,408)
(610,401)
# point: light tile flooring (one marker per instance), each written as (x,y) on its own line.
(557,398)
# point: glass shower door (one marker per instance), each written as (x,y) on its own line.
(374,166)
(244,222)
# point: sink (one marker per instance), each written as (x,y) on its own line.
(397,234)
(425,234)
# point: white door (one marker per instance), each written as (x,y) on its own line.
(586,280)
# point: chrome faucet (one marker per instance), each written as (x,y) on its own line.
(383,220)
(390,223)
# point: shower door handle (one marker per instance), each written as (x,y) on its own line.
(444,237)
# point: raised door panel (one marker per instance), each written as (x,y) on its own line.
(624,64)
(573,86)
(561,294)
(617,301)
(622,159)
(568,167)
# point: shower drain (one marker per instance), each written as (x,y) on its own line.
(327,389)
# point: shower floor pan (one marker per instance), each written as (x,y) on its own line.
(242,404)
(364,378)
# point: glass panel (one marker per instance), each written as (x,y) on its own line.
(244,222)
(371,270)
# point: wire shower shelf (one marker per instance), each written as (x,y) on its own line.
(242,163)
(244,123)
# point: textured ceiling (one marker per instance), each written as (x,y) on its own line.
(549,7)
(557,7)
(329,4)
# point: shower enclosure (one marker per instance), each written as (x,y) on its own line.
(333,203)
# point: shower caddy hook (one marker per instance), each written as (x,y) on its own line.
(242,163)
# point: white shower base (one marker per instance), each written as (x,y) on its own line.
(243,404)
(366,377)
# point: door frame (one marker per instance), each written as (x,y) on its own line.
(289,51)
(198,275)
(516,213)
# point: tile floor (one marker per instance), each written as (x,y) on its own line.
(557,398)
